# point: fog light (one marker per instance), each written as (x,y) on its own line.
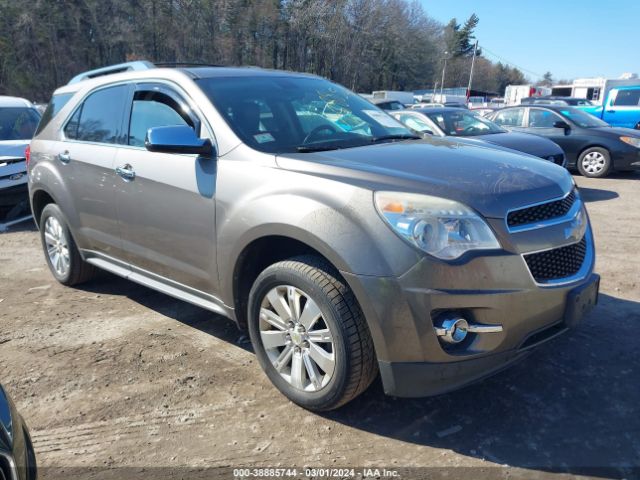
(452,329)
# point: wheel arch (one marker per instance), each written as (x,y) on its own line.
(265,250)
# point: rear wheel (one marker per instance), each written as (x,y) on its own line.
(60,250)
(594,162)
(309,334)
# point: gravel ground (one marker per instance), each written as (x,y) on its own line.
(116,375)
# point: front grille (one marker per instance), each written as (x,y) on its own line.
(540,213)
(558,263)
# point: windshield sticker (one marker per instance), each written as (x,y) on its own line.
(383,119)
(264,137)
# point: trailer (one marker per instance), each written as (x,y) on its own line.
(405,98)
(514,93)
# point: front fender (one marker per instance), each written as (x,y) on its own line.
(336,219)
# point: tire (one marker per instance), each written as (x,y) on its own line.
(320,293)
(68,268)
(594,162)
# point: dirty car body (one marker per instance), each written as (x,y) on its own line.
(279,183)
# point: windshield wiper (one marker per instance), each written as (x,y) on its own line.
(317,148)
(404,136)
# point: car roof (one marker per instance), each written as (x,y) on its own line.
(629,87)
(438,109)
(377,101)
(548,106)
(8,102)
(141,70)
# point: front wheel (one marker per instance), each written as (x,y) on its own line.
(594,162)
(309,334)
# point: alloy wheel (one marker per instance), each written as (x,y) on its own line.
(296,338)
(57,246)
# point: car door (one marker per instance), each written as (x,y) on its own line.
(85,158)
(623,109)
(165,201)
(541,121)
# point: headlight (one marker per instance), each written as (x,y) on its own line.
(442,228)
(633,141)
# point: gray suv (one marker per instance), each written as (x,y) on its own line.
(346,245)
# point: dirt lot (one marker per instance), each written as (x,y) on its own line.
(117,375)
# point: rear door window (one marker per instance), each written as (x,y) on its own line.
(514,117)
(627,98)
(99,118)
(539,118)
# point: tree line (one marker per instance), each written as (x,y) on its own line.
(365,45)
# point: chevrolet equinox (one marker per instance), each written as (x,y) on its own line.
(346,245)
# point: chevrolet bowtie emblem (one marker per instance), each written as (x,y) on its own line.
(575,230)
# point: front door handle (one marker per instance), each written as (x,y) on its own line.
(126,172)
(64,157)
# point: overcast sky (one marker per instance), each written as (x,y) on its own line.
(569,38)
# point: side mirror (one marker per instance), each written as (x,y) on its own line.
(426,132)
(177,139)
(562,124)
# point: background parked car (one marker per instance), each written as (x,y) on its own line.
(18,122)
(17,457)
(385,104)
(456,122)
(556,100)
(591,145)
(620,109)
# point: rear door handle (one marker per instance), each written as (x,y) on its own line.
(64,157)
(126,172)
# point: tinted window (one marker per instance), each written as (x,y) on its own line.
(152,109)
(414,122)
(99,119)
(510,118)
(18,123)
(581,118)
(461,123)
(55,105)
(542,118)
(627,98)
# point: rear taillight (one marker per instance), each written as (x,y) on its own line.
(27,154)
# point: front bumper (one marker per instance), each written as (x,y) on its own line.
(627,159)
(487,290)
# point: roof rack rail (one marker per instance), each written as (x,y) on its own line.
(185,64)
(120,67)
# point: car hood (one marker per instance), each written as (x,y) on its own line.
(13,148)
(523,142)
(617,131)
(490,180)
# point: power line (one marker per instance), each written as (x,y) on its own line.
(504,60)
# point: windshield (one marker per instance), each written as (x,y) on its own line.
(289,114)
(582,119)
(460,123)
(18,123)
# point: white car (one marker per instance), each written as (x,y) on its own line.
(18,121)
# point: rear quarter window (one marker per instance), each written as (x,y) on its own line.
(54,106)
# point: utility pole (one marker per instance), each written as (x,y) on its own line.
(444,68)
(473,62)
